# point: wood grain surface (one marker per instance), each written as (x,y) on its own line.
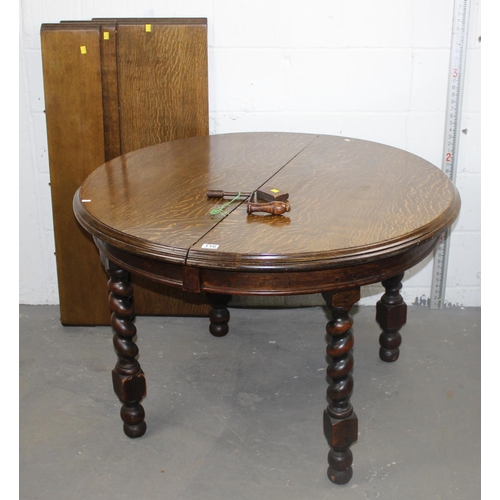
(163,63)
(351,201)
(94,84)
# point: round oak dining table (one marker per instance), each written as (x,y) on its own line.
(299,214)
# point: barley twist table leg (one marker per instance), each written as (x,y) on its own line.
(391,316)
(129,381)
(340,421)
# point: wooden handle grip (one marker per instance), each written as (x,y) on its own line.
(272,207)
(215,193)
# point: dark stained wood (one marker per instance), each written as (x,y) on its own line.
(89,99)
(268,282)
(271,194)
(165,222)
(348,198)
(129,381)
(351,201)
(270,207)
(362,213)
(219,314)
(340,421)
(391,316)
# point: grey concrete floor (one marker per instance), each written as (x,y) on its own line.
(240,417)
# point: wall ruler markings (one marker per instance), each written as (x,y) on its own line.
(451,137)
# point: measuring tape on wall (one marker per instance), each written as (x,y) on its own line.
(451,137)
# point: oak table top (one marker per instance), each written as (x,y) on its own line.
(360,213)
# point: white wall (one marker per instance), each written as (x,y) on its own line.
(358,68)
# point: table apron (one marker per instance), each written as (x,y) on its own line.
(282,282)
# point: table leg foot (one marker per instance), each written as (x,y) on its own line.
(339,420)
(219,314)
(340,459)
(129,381)
(391,316)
